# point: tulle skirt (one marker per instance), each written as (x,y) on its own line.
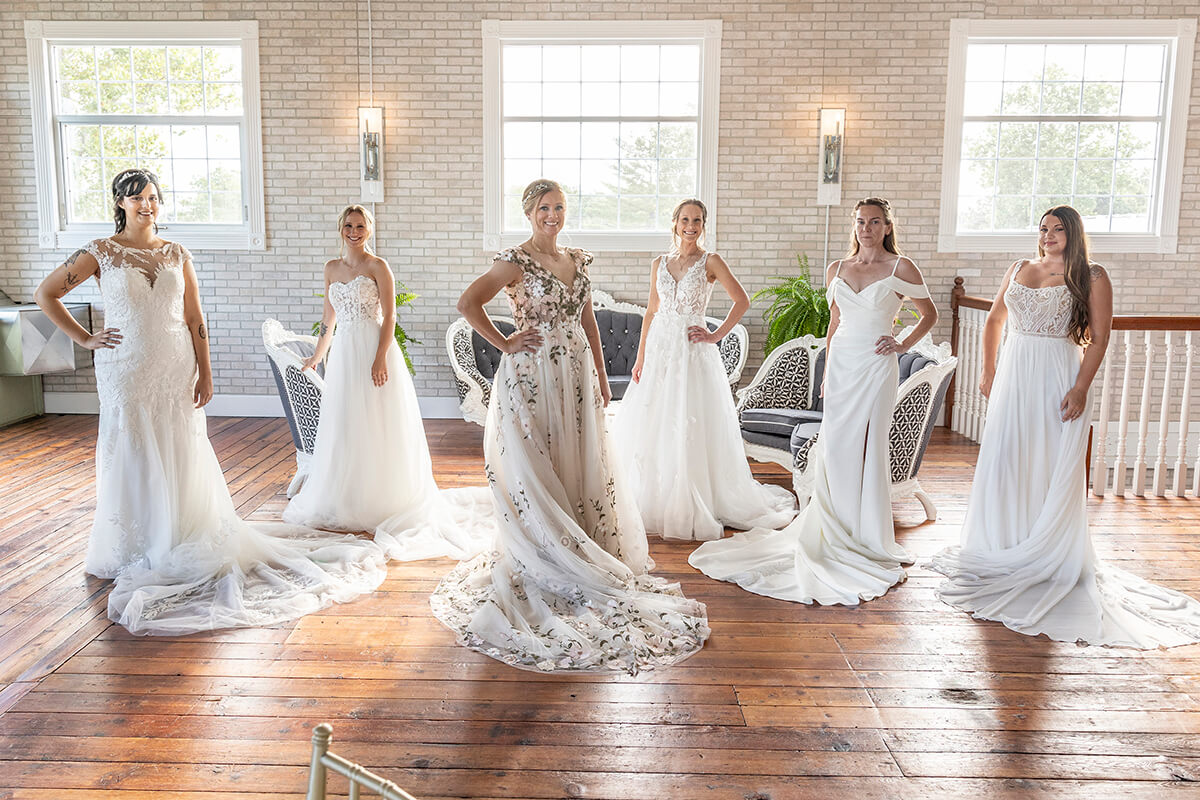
(371,469)
(566,585)
(677,439)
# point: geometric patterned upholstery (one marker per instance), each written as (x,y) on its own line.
(299,390)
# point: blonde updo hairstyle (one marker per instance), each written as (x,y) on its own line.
(368,217)
(534,191)
(889,241)
(675,240)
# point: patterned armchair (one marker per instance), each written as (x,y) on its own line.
(474,359)
(299,391)
(925,374)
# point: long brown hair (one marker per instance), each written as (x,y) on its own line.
(130,183)
(889,241)
(1076,270)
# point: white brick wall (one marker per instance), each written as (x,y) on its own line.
(781,61)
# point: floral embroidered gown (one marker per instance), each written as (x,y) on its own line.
(566,585)
(1026,558)
(165,526)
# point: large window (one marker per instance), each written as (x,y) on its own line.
(1087,113)
(624,115)
(178,99)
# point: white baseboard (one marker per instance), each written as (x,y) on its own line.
(234,405)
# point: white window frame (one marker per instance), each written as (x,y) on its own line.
(53,230)
(1165,214)
(498,32)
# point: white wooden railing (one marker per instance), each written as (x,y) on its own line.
(1145,437)
(324,761)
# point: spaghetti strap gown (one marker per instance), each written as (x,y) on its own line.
(1026,557)
(842,548)
(566,585)
(165,526)
(676,431)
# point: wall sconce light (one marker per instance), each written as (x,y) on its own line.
(370,137)
(829,167)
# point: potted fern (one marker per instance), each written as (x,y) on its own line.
(798,308)
(403,298)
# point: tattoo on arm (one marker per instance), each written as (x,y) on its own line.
(203,331)
(1096,272)
(324,329)
(71,258)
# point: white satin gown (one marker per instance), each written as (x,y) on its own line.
(841,549)
(676,431)
(1026,557)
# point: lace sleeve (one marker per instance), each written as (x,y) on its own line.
(583,259)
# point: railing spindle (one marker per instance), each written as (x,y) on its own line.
(1143,429)
(1164,410)
(1123,421)
(1100,449)
(1180,481)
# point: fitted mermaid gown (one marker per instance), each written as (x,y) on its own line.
(841,549)
(165,527)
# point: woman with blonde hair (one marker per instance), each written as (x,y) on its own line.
(1026,558)
(370,469)
(842,548)
(676,431)
(566,585)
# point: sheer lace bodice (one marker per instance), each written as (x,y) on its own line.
(539,298)
(356,299)
(689,295)
(1037,312)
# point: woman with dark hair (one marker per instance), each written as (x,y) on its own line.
(1026,557)
(165,528)
(676,432)
(842,548)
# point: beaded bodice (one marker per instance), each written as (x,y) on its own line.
(1038,312)
(356,299)
(142,289)
(539,297)
(689,295)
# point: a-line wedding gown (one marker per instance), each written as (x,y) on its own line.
(676,432)
(165,526)
(841,549)
(566,587)
(1026,557)
(370,469)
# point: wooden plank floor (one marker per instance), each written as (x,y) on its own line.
(901,698)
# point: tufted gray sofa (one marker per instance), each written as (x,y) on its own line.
(475,360)
(780,411)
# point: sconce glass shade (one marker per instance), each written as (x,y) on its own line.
(830,141)
(370,138)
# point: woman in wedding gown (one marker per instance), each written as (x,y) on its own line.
(370,469)
(676,431)
(566,587)
(165,527)
(842,547)
(1026,558)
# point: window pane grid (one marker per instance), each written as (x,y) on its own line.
(163,108)
(616,124)
(1049,127)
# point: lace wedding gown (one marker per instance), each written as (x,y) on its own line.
(165,526)
(676,431)
(566,587)
(1026,558)
(370,469)
(842,547)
